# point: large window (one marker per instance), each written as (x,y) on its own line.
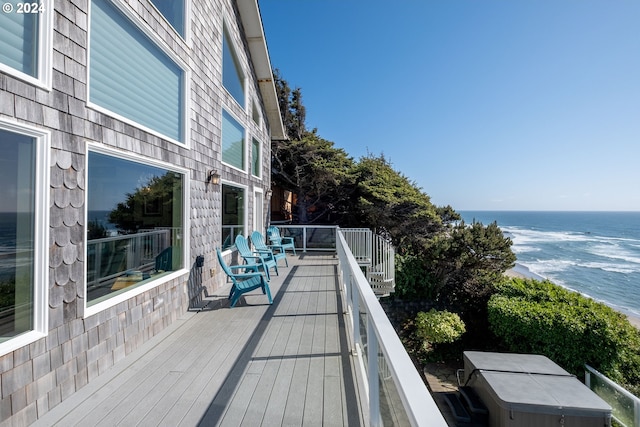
(25,41)
(173,11)
(256,164)
(233,214)
(232,141)
(232,76)
(22,243)
(135,224)
(129,75)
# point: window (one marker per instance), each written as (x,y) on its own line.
(134,224)
(173,11)
(256,165)
(232,141)
(255,114)
(25,42)
(129,75)
(232,76)
(233,214)
(23,236)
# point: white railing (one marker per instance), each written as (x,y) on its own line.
(359,241)
(396,393)
(382,275)
(371,251)
(626,406)
(311,237)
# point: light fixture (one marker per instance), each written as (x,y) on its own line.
(213,177)
(269,193)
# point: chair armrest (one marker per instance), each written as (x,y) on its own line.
(246,275)
(260,257)
(238,267)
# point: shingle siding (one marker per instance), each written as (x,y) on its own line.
(39,376)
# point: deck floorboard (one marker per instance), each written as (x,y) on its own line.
(252,365)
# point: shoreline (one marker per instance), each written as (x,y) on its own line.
(521,272)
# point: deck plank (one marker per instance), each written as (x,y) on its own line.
(255,364)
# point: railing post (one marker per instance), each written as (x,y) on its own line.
(355,315)
(587,378)
(304,239)
(372,374)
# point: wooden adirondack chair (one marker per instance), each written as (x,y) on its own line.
(273,233)
(255,259)
(243,282)
(259,244)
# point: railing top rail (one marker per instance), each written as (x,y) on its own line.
(613,384)
(305,226)
(420,406)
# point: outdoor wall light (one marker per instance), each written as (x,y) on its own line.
(213,177)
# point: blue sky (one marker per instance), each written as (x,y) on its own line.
(485,104)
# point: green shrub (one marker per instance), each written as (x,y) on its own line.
(539,317)
(413,282)
(437,327)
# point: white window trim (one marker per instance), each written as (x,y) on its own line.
(245,219)
(260,158)
(41,233)
(260,224)
(117,299)
(186,77)
(45,52)
(187,21)
(245,78)
(245,153)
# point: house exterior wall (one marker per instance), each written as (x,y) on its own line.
(79,343)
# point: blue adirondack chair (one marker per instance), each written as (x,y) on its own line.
(254,259)
(273,233)
(259,244)
(243,282)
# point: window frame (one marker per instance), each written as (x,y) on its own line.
(245,216)
(186,225)
(226,34)
(41,235)
(45,53)
(259,146)
(138,23)
(186,24)
(258,225)
(245,144)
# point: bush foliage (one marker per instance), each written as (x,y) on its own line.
(438,327)
(530,316)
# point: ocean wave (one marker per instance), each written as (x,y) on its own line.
(615,252)
(524,236)
(612,268)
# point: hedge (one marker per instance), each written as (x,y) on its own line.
(530,316)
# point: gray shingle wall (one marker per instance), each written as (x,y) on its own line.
(37,377)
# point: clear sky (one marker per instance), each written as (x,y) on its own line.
(485,104)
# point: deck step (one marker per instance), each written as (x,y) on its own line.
(473,401)
(457,408)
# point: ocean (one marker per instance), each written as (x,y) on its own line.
(594,253)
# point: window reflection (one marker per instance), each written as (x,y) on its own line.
(232,214)
(17,221)
(134,224)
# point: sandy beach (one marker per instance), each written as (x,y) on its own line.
(517,272)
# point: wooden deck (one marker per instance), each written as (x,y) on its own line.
(286,364)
